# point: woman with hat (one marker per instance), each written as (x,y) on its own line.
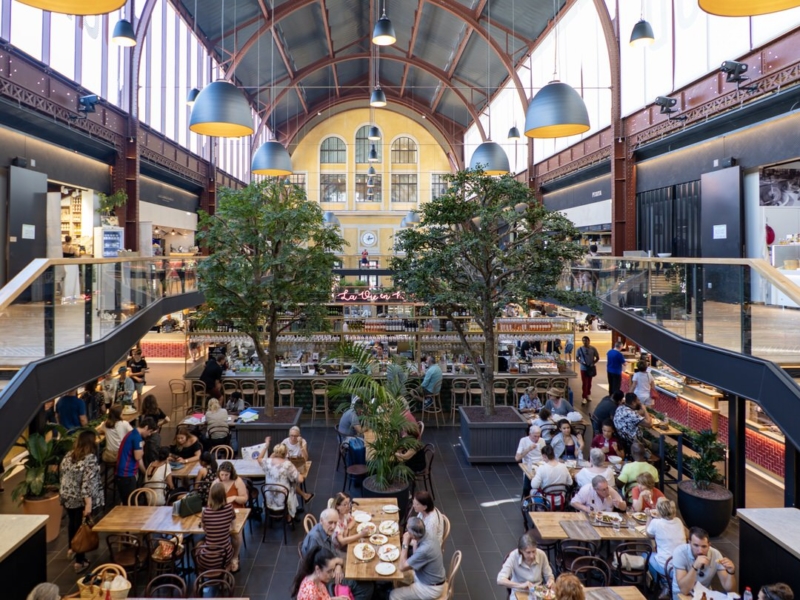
(530,400)
(556,404)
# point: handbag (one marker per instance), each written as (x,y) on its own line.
(592,371)
(85,539)
(343,590)
(189,505)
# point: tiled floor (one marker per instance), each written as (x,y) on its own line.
(482,503)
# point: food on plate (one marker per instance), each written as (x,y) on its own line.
(607,518)
(640,516)
(544,592)
(362,517)
(370,528)
(378,539)
(364,552)
(389,527)
(389,552)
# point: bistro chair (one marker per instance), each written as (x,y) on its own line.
(445,529)
(631,560)
(561,384)
(500,388)
(218,435)
(167,585)
(557,495)
(540,387)
(319,394)
(219,582)
(261,392)
(520,385)
(228,387)
(579,429)
(143,497)
(308,522)
(249,391)
(434,408)
(180,396)
(340,440)
(448,587)
(175,496)
(163,554)
(199,394)
(458,396)
(425,474)
(475,392)
(222,452)
(352,473)
(286,391)
(592,571)
(281,515)
(567,551)
(126,550)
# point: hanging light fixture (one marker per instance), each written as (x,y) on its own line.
(412,217)
(374,134)
(556,110)
(370,183)
(271,159)
(378,97)
(76,7)
(383,33)
(371,170)
(373,154)
(489,155)
(642,33)
(220,109)
(124,35)
(191,97)
(744,8)
(513,133)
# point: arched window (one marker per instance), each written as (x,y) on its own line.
(363,144)
(333,150)
(404,151)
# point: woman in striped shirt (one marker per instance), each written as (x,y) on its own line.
(217,519)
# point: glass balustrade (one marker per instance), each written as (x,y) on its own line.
(56,305)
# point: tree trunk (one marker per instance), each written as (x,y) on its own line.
(486,377)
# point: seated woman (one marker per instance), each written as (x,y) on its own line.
(278,469)
(645,494)
(342,534)
(219,545)
(315,574)
(158,476)
(668,532)
(569,587)
(597,467)
(556,404)
(187,448)
(566,444)
(422,505)
(115,428)
(607,440)
(206,474)
(235,487)
(551,472)
(296,446)
(526,567)
(217,424)
(150,408)
(530,400)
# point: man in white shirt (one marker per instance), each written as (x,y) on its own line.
(529,452)
(598,496)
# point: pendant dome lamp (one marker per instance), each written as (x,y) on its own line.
(642,34)
(513,133)
(76,7)
(378,97)
(371,170)
(412,217)
(191,97)
(383,33)
(370,183)
(124,35)
(744,8)
(373,154)
(374,134)
(221,110)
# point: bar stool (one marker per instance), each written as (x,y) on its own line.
(180,397)
(228,387)
(500,388)
(561,384)
(319,392)
(261,393)
(458,396)
(540,387)
(249,391)
(475,391)
(199,394)
(520,385)
(286,390)
(434,408)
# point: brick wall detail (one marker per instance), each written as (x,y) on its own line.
(164,349)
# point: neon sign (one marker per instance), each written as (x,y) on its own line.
(368,296)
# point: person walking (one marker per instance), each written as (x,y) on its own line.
(587,358)
(615,362)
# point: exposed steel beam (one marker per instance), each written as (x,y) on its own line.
(403,81)
(479,9)
(415,30)
(329,39)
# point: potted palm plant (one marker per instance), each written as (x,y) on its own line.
(38,492)
(702,500)
(384,418)
(107,204)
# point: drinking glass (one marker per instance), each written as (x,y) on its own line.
(615,526)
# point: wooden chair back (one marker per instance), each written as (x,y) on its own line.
(222,452)
(308,522)
(149,495)
(166,585)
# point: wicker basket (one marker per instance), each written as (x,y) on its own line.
(89,591)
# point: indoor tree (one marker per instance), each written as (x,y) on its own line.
(482,245)
(270,266)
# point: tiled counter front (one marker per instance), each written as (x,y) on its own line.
(760,449)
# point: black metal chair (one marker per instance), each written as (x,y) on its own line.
(163,554)
(352,473)
(592,571)
(567,551)
(166,586)
(280,496)
(128,552)
(219,582)
(425,474)
(557,495)
(340,440)
(631,561)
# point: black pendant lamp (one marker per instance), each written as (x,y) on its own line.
(373,154)
(371,170)
(383,33)
(642,34)
(192,96)
(272,159)
(556,111)
(743,8)
(124,35)
(491,157)
(76,7)
(221,110)
(374,134)
(378,98)
(513,133)
(370,183)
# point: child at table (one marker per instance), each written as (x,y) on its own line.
(607,440)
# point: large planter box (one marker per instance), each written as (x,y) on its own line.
(493,441)
(250,434)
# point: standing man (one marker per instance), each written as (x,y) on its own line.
(426,562)
(125,387)
(130,457)
(615,361)
(71,411)
(212,375)
(432,382)
(138,367)
(587,358)
(697,561)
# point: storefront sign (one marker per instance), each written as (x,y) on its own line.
(368,296)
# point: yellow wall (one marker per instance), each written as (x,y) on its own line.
(379,218)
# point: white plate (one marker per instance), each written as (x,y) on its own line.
(362,517)
(384,568)
(389,527)
(390,509)
(378,539)
(364,552)
(389,553)
(614,460)
(370,527)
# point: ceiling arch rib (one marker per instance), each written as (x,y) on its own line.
(414,62)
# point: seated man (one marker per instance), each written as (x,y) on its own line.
(606,409)
(526,567)
(350,424)
(529,451)
(426,562)
(598,496)
(432,382)
(629,416)
(697,562)
(627,476)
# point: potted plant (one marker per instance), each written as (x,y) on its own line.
(383,418)
(38,491)
(702,500)
(485,243)
(107,205)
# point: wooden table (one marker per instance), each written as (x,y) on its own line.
(158,519)
(549,526)
(249,469)
(661,434)
(365,571)
(625,592)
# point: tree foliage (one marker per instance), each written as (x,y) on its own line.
(483,244)
(270,265)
